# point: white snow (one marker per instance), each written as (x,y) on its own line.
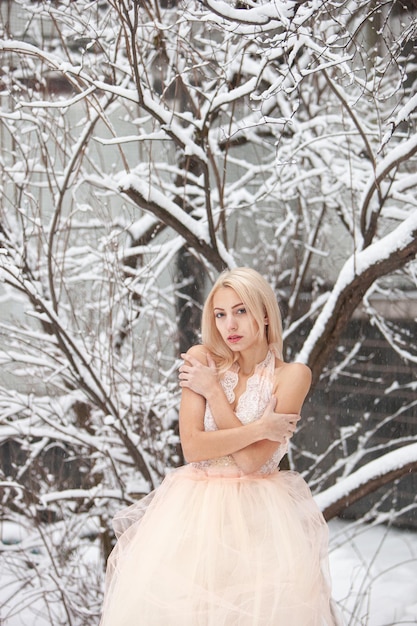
(405,111)
(234,94)
(374,574)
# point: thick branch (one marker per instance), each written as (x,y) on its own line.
(337,507)
(198,244)
(367,479)
(348,299)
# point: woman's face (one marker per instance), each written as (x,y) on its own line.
(234,322)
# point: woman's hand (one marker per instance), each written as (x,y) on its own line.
(200,378)
(278,427)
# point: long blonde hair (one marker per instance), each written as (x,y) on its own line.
(259,299)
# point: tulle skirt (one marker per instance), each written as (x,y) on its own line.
(211,547)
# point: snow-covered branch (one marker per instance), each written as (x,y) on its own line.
(367,479)
(359,272)
(195,233)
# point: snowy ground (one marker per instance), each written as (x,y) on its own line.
(374,574)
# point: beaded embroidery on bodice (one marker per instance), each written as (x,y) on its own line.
(250,406)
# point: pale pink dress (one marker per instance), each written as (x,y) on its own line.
(215,547)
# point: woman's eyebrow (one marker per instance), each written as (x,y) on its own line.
(219,308)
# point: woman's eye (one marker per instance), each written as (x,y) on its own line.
(242,310)
(218,315)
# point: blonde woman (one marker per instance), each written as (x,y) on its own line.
(228,539)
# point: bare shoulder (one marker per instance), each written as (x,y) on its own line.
(294,374)
(198,352)
(292,384)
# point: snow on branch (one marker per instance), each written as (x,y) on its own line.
(259,15)
(181,136)
(267,14)
(194,232)
(83,494)
(358,273)
(234,94)
(22,47)
(401,116)
(367,479)
(400,154)
(82,369)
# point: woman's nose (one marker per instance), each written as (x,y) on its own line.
(231,323)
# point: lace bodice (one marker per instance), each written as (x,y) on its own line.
(250,407)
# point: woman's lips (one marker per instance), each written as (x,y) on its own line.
(234,338)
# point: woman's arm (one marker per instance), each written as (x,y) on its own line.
(252,457)
(200,445)
(204,383)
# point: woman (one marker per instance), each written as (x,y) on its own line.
(228,539)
